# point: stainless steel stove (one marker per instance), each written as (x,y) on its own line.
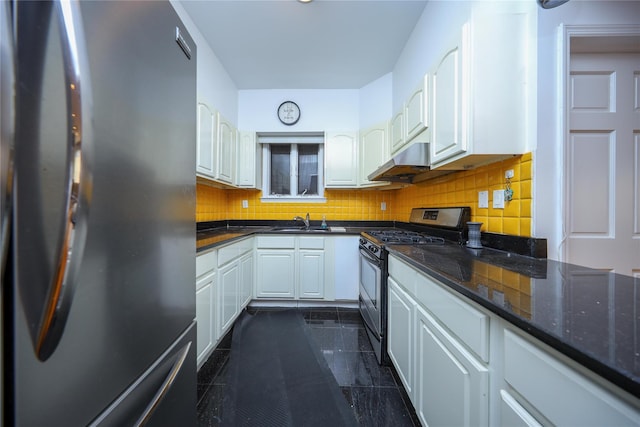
(448,226)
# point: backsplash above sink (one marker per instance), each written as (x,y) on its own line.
(457,189)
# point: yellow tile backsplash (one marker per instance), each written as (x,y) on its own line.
(456,189)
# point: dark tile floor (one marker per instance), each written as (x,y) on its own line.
(373,391)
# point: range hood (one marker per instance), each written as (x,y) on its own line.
(408,166)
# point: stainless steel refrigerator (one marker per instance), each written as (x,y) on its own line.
(98,213)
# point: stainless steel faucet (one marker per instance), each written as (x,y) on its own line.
(305,220)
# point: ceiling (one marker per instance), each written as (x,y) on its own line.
(325,44)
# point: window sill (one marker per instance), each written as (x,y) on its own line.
(289,199)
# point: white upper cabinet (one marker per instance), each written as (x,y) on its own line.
(450,83)
(247,160)
(479,89)
(226,151)
(206,141)
(373,152)
(416,117)
(341,159)
(397,132)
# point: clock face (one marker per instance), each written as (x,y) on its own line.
(289,113)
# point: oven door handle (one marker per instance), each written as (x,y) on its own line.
(369,257)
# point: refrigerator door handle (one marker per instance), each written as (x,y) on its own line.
(164,387)
(79,179)
(7,82)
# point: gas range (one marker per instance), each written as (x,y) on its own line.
(445,223)
(437,222)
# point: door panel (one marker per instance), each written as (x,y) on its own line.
(603,162)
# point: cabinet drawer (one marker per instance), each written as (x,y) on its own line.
(470,325)
(233,251)
(404,274)
(205,262)
(540,377)
(311,242)
(276,242)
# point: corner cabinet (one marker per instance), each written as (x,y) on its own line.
(481,88)
(341,159)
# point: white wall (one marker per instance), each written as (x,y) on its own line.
(375,101)
(215,86)
(321,110)
(439,23)
(548,157)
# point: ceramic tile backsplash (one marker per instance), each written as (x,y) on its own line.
(456,189)
(461,189)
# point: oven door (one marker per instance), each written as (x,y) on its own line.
(371,271)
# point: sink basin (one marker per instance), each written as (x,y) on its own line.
(301,229)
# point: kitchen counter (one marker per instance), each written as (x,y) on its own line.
(210,238)
(591,316)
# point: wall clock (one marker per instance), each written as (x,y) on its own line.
(289,113)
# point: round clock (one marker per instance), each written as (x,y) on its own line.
(289,113)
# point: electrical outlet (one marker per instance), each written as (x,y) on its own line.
(498,199)
(483,199)
(508,174)
(245,204)
(383,206)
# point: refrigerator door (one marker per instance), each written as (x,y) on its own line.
(104,230)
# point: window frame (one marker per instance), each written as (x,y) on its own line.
(294,142)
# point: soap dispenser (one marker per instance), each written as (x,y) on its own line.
(324,222)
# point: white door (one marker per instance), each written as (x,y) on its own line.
(602,224)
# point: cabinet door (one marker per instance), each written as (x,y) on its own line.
(397,132)
(450,87)
(206,144)
(416,111)
(229,277)
(246,163)
(246,280)
(311,274)
(400,339)
(205,317)
(226,150)
(452,387)
(275,275)
(341,159)
(373,152)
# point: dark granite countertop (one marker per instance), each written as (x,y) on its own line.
(591,316)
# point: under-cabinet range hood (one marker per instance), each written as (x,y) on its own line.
(408,166)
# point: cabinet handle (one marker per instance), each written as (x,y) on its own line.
(78,180)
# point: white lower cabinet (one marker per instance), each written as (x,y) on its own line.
(275,275)
(206,298)
(205,321)
(224,286)
(532,370)
(293,267)
(246,279)
(311,273)
(452,387)
(401,325)
(439,341)
(229,290)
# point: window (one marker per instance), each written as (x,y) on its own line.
(292,167)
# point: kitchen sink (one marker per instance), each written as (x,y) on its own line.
(300,229)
